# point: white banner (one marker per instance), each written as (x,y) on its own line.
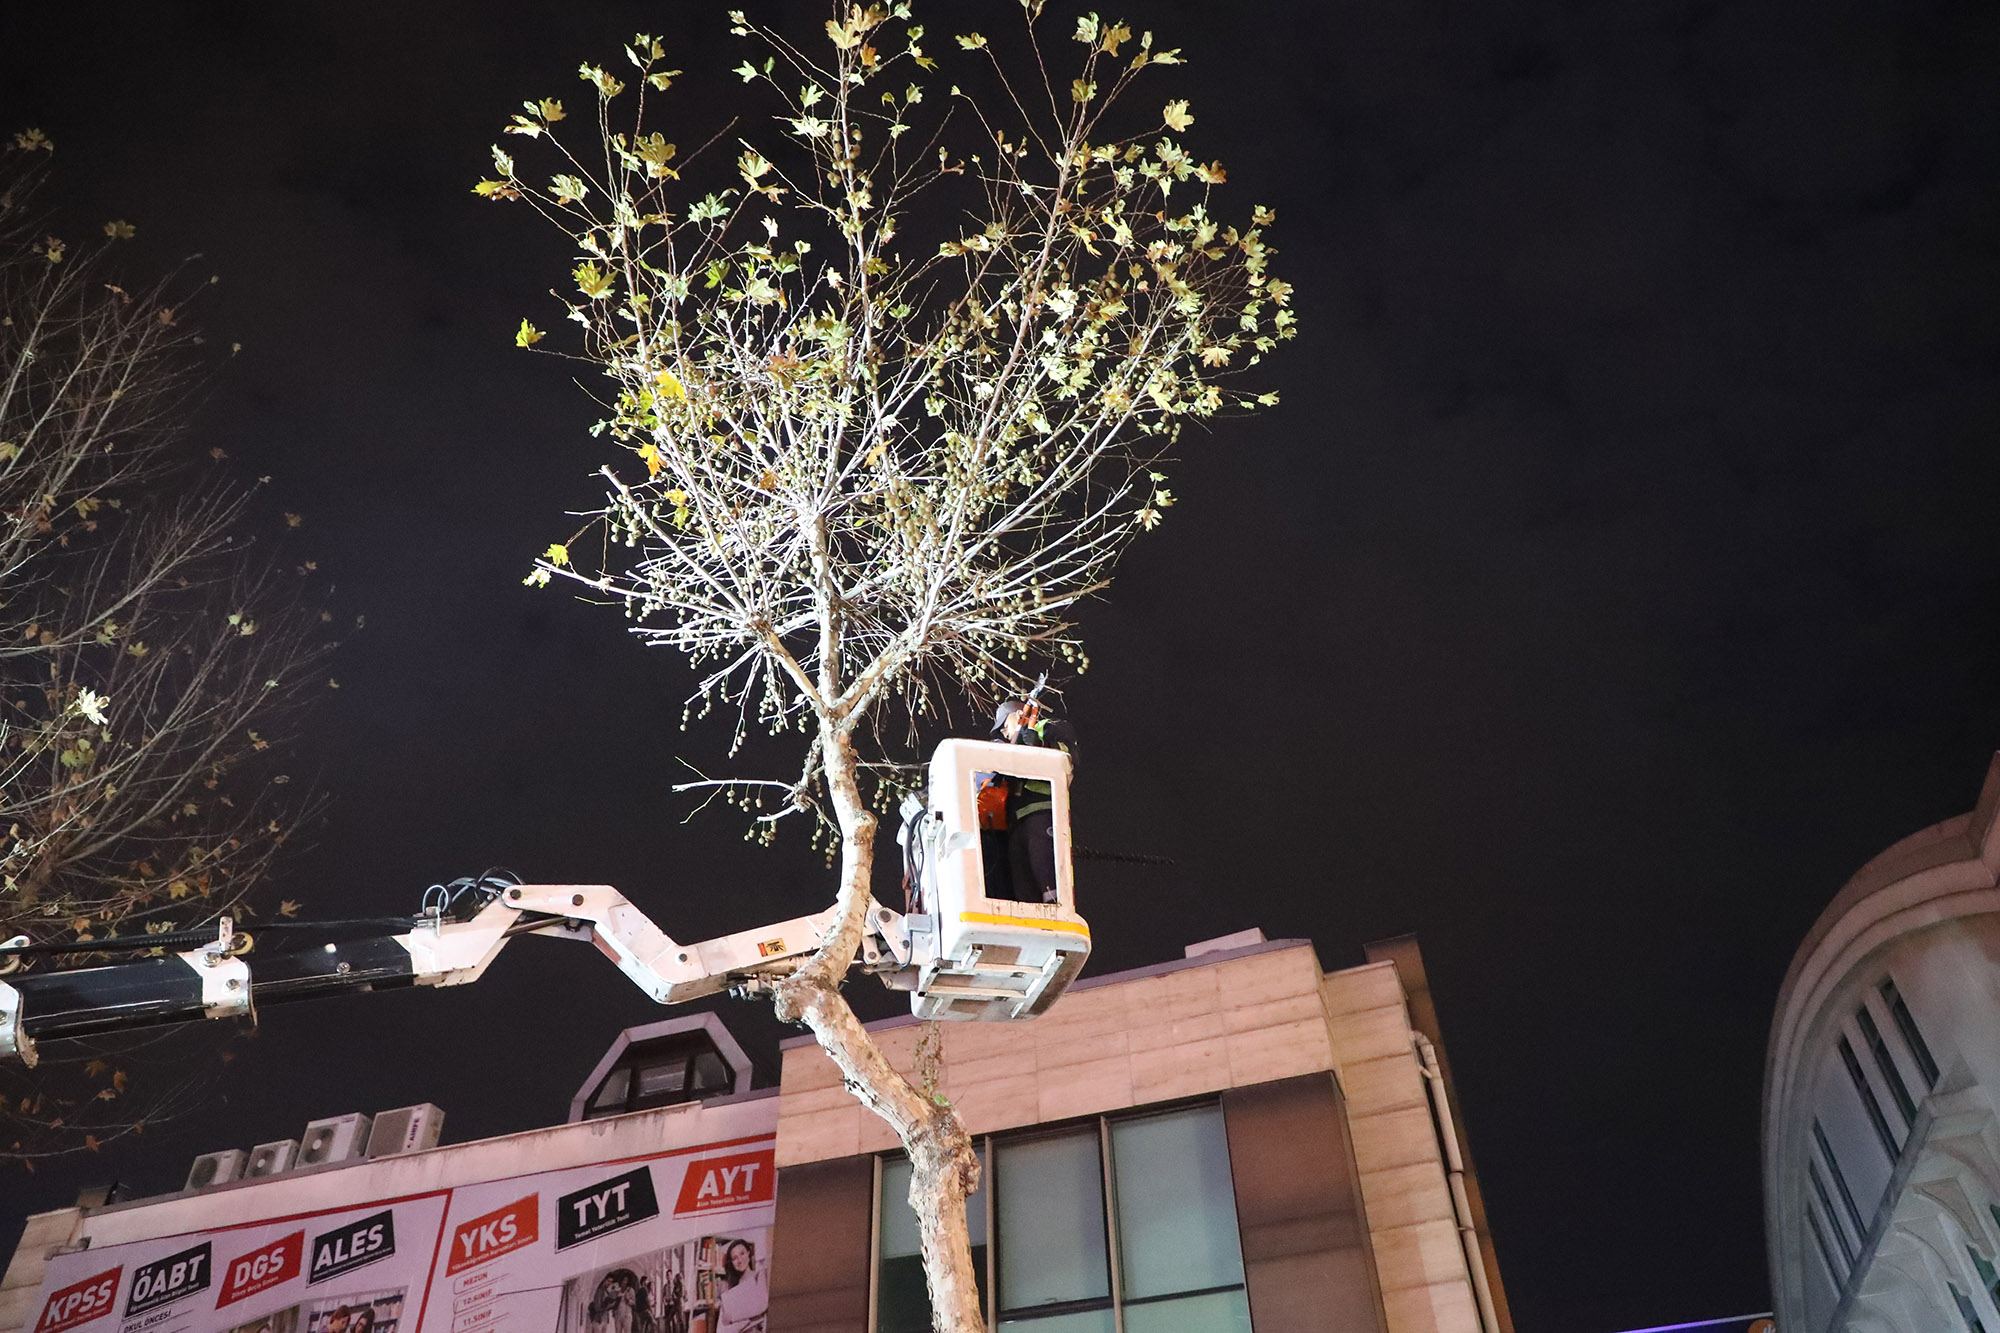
(676,1242)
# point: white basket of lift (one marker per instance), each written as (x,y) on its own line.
(993,959)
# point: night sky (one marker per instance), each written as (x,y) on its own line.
(1618,574)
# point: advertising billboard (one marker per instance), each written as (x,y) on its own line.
(674,1242)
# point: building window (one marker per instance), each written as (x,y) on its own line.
(1126,1221)
(680,1067)
(1912,1035)
(1839,1182)
(1868,1102)
(1178,1255)
(1886,1062)
(1988,1277)
(1826,1251)
(1965,1310)
(1832,1219)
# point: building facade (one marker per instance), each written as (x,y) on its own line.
(1881,1145)
(1233,1141)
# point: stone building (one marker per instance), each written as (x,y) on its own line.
(1881,1147)
(1236,1140)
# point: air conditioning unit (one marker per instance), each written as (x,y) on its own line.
(216,1168)
(405,1129)
(270,1159)
(340,1138)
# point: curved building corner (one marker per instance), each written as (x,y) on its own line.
(1881,1143)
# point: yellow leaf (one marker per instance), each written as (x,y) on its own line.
(557,554)
(670,385)
(496,190)
(120,230)
(592,281)
(292,520)
(551,109)
(177,889)
(1177,116)
(649,454)
(527,335)
(29,141)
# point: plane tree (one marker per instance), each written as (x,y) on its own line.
(892,364)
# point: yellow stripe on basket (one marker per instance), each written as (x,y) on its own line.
(1074,927)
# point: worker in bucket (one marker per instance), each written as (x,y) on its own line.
(1030,804)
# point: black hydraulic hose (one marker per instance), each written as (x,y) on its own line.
(168,939)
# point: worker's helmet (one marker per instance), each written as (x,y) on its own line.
(1006,709)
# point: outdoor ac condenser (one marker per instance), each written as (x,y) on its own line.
(270,1159)
(339,1138)
(216,1168)
(405,1129)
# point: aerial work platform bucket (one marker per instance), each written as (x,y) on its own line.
(991,958)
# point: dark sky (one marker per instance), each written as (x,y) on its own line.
(1617,576)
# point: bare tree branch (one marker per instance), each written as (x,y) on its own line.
(153,660)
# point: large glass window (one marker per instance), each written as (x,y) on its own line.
(1054,1255)
(1069,1255)
(1178,1254)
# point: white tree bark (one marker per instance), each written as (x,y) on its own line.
(944,1167)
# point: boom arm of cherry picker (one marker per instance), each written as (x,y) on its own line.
(216,981)
(973,948)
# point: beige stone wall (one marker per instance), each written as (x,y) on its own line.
(1419,1261)
(1105,1048)
(1204,1028)
(42,1237)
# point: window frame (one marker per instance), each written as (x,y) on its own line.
(988,1146)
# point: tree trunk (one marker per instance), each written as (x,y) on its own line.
(944,1168)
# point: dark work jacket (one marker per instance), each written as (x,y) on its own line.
(1029,796)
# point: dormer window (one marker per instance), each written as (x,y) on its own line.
(661,1071)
